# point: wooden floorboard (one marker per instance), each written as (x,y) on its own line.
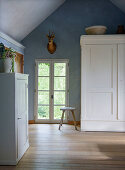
(71,149)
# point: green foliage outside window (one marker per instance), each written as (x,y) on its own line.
(44,85)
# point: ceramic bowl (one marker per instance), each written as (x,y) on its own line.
(96,30)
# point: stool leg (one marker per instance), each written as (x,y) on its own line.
(62,117)
(73,115)
(61,121)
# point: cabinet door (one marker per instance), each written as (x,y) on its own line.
(121,82)
(22,97)
(99,82)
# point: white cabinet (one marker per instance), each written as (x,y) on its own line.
(13,117)
(103,83)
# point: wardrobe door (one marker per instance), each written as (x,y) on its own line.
(22,89)
(121,82)
(99,79)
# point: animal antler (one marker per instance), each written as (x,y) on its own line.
(53,35)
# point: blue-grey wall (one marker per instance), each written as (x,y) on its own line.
(68,23)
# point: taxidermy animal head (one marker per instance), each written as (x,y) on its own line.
(51,46)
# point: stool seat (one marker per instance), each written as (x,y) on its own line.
(67,108)
(71,109)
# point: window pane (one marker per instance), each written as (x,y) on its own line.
(58,112)
(59,83)
(43,112)
(59,97)
(43,69)
(43,83)
(59,69)
(43,97)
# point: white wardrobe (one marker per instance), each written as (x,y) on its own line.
(103,83)
(13,117)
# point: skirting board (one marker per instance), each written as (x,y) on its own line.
(111,126)
(31,121)
(69,122)
(72,122)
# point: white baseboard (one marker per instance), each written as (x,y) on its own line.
(109,126)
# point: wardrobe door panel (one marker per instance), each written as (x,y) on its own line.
(121,82)
(22,87)
(99,106)
(100,66)
(100,82)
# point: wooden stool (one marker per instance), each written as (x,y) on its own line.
(63,111)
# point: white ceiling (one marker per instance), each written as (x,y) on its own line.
(19,17)
(120,4)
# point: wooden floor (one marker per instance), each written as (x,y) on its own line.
(71,149)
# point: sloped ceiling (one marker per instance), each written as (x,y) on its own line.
(120,4)
(19,17)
